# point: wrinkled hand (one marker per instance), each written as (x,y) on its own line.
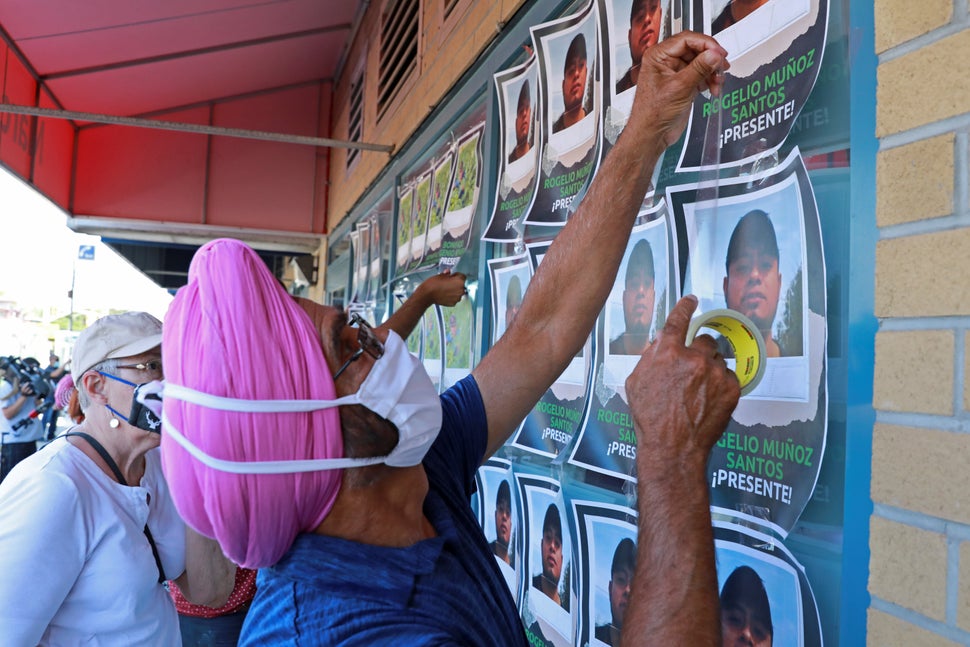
(445,289)
(681,396)
(671,75)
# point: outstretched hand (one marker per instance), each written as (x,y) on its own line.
(445,289)
(681,396)
(671,74)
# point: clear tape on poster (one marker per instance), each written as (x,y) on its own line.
(745,339)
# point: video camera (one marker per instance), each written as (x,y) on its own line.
(29,372)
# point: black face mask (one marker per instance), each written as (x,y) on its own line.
(140,415)
(143,417)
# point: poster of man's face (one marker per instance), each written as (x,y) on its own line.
(760,598)
(548,567)
(635,26)
(741,25)
(637,304)
(509,284)
(499,520)
(747,253)
(520,101)
(571,57)
(608,539)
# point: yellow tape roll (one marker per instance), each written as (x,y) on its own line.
(745,339)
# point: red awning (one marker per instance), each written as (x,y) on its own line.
(264,66)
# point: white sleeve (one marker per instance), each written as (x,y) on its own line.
(41,551)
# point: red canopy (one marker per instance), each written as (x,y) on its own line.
(265,66)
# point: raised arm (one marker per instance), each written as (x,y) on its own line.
(445,289)
(681,398)
(576,274)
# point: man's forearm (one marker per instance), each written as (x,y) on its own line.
(674,598)
(405,319)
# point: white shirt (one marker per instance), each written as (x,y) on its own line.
(75,565)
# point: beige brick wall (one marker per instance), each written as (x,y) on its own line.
(908,567)
(915,181)
(919,570)
(908,286)
(914,371)
(888,631)
(923,470)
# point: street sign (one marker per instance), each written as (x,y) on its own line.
(85,252)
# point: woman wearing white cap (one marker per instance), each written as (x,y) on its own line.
(88,530)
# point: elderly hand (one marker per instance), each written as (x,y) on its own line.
(681,396)
(671,74)
(445,289)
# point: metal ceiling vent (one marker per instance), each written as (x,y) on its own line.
(399,50)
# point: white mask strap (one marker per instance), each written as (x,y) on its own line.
(265,467)
(184,393)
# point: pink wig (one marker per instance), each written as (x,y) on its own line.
(62,392)
(233,331)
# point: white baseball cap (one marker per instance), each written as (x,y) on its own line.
(121,335)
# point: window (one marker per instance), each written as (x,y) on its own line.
(399,50)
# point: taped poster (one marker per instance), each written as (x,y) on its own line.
(355,282)
(375,278)
(518,116)
(553,422)
(442,173)
(636,309)
(362,264)
(775,48)
(569,80)
(547,601)
(419,220)
(499,518)
(459,331)
(607,542)
(759,251)
(405,211)
(765,596)
(461,203)
(629,28)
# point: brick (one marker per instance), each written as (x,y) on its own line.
(918,276)
(923,470)
(908,567)
(963,594)
(914,371)
(884,630)
(915,182)
(924,86)
(898,21)
(966,372)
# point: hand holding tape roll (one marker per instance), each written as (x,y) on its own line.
(745,339)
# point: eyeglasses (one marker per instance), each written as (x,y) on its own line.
(154,366)
(368,341)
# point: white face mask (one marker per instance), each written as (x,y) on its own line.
(397,388)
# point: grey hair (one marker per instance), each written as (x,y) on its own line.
(106,366)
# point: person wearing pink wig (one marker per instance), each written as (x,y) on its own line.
(316,448)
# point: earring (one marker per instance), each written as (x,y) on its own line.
(113,423)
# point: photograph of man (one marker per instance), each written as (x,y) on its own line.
(638,302)
(621,577)
(745,613)
(551,555)
(573,85)
(503,524)
(644,33)
(752,284)
(522,123)
(734,12)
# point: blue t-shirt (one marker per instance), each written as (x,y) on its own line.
(446,590)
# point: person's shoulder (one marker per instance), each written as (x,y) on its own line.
(48,480)
(625,82)
(6,390)
(559,124)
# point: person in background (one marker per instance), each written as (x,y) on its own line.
(93,510)
(20,405)
(54,372)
